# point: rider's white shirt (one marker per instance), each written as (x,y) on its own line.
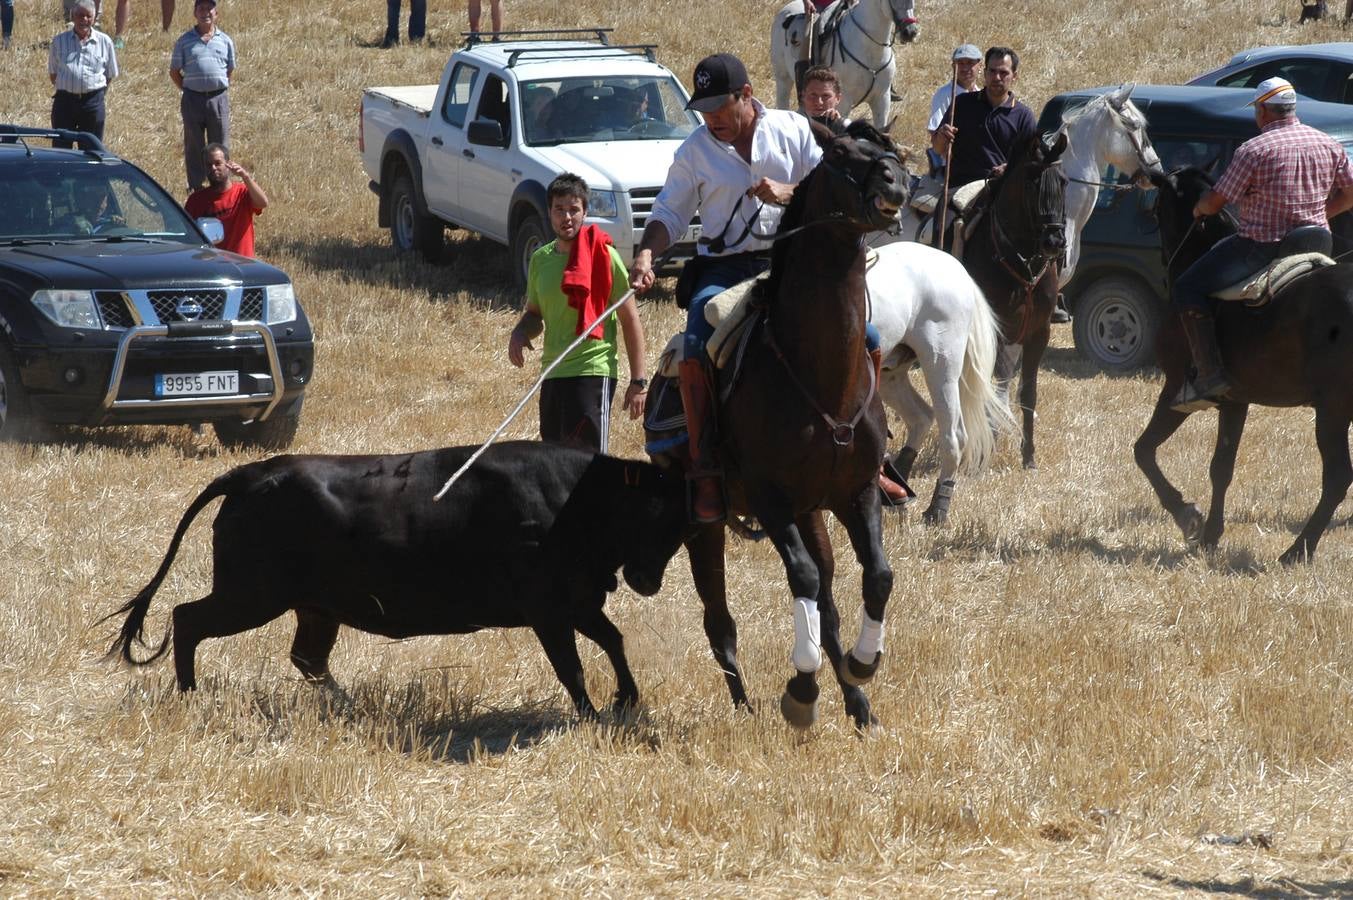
(709,176)
(939,104)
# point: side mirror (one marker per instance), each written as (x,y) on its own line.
(212,228)
(487,133)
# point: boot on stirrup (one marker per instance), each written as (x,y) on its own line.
(894,490)
(1210,384)
(705,480)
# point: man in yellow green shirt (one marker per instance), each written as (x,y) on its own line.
(568,282)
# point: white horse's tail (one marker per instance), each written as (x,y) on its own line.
(986,416)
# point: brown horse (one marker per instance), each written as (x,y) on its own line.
(803,429)
(1296,350)
(1013,256)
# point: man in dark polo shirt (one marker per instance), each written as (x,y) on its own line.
(989,125)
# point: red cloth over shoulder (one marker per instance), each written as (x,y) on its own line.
(587,279)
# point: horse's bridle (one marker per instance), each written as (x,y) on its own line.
(1026,275)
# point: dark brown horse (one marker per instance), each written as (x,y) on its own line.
(1013,256)
(1297,350)
(803,428)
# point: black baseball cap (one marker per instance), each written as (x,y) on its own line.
(716,78)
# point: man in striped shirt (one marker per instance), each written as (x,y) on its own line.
(1288,176)
(201,66)
(80,63)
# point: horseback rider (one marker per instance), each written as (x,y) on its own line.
(822,96)
(740,169)
(1290,175)
(810,53)
(988,125)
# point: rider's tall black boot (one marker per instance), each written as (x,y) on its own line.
(1210,384)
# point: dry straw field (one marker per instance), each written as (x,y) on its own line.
(1074,703)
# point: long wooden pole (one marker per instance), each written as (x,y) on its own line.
(948,156)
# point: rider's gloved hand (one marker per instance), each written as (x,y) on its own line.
(910,29)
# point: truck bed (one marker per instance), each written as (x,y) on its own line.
(417,97)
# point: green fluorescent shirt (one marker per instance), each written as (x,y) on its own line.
(543,280)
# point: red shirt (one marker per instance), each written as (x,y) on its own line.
(235,210)
(1282,178)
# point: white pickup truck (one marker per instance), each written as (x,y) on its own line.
(477,150)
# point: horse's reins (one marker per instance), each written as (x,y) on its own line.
(1028,279)
(838,41)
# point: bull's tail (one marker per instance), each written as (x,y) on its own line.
(133,629)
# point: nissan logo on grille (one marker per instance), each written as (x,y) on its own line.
(189,309)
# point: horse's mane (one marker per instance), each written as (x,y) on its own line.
(1129,111)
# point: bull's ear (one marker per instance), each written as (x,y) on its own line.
(822,134)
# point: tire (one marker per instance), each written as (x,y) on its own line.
(1115,322)
(529,237)
(274,433)
(15,414)
(409,229)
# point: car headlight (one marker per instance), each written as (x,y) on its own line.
(602,204)
(281,306)
(69,309)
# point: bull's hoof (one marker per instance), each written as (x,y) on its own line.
(1030,465)
(856,673)
(799,711)
(1190,520)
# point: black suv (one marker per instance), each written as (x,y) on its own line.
(116,309)
(1118,295)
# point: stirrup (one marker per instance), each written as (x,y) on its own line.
(1191,399)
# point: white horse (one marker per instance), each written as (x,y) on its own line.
(925,305)
(1107,131)
(860,50)
(929,310)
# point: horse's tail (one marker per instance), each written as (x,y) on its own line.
(986,416)
(133,629)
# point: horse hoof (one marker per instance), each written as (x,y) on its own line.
(800,715)
(856,673)
(1030,466)
(1190,522)
(935,516)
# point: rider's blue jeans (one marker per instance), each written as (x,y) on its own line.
(1228,262)
(720,274)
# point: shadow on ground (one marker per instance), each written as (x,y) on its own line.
(1277,889)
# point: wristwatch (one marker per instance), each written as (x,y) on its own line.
(640,383)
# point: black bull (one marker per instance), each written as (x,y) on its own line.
(531,536)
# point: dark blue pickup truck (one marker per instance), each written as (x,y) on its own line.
(1118,295)
(116,309)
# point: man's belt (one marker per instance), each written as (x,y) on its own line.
(98,90)
(216,93)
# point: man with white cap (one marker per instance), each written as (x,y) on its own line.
(967,59)
(1290,175)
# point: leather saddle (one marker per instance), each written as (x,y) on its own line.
(1304,250)
(824,26)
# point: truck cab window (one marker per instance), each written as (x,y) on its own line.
(458,93)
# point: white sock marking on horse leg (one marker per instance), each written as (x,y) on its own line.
(807,655)
(871,640)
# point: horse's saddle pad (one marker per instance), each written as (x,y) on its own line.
(824,25)
(1277,276)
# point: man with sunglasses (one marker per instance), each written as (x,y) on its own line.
(988,125)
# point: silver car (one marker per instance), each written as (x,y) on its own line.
(1317,71)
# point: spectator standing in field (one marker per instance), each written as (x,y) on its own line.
(418,10)
(119,17)
(571,280)
(81,62)
(234,203)
(201,65)
(166,14)
(6,22)
(495,15)
(967,61)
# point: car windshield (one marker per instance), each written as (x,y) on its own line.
(574,110)
(82,200)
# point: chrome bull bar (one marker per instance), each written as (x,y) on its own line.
(176,330)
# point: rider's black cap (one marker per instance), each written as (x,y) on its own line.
(717,77)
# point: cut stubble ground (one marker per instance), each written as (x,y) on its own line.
(1073,701)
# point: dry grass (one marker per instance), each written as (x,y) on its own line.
(1073,702)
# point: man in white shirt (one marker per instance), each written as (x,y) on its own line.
(738,171)
(81,62)
(967,60)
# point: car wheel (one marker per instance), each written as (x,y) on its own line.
(14,411)
(1115,324)
(274,433)
(529,237)
(409,230)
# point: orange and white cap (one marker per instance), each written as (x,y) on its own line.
(1274,92)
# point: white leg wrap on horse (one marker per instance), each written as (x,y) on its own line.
(871,640)
(807,655)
